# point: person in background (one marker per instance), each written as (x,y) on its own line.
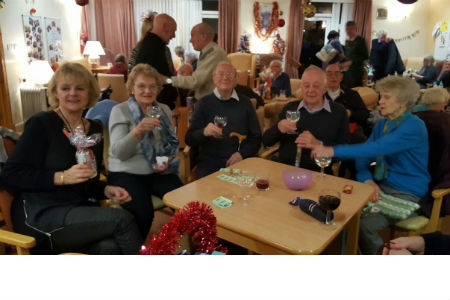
(434,243)
(427,74)
(146,27)
(399,145)
(179,51)
(185,70)
(58,197)
(445,68)
(216,148)
(279,80)
(120,66)
(432,104)
(201,81)
(321,122)
(355,52)
(333,40)
(192,59)
(143,146)
(379,55)
(154,51)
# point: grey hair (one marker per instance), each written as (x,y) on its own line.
(317,69)
(226,63)
(430,58)
(190,56)
(404,88)
(435,95)
(381,33)
(277,61)
(179,49)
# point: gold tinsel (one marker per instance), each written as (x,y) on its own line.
(308,10)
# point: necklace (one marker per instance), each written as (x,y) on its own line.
(66,122)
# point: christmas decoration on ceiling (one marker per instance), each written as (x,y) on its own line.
(308,10)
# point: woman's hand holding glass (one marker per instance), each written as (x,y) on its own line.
(154,112)
(145,125)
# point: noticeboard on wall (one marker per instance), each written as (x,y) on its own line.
(34,38)
(53,40)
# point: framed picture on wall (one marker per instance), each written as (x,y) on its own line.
(34,37)
(54,40)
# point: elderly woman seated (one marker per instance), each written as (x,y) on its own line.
(427,74)
(399,145)
(143,146)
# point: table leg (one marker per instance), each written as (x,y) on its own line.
(353,234)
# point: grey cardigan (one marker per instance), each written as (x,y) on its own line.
(125,154)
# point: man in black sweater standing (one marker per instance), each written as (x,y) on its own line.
(154,51)
(321,122)
(217,149)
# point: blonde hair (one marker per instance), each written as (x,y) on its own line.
(145,70)
(73,72)
(435,95)
(404,88)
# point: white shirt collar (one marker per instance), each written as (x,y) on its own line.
(234,95)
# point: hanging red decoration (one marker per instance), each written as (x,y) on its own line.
(261,32)
(32,11)
(281,22)
(82,2)
(196,219)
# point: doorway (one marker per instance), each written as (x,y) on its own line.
(313,40)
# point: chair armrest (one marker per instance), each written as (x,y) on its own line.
(16,239)
(440,192)
(187,163)
(266,153)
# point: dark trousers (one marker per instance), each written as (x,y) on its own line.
(98,230)
(140,188)
(209,165)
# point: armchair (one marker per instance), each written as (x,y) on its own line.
(244,62)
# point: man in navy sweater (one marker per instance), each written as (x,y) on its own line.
(217,149)
(321,122)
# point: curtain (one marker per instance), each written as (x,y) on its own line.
(86,21)
(294,40)
(228,25)
(362,15)
(187,14)
(115,25)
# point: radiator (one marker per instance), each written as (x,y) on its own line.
(33,100)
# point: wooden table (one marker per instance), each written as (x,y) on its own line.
(268,224)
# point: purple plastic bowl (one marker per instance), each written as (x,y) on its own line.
(297,179)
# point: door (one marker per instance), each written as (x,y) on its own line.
(5,105)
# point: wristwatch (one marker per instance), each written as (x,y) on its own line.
(168,81)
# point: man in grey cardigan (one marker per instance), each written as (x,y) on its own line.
(211,54)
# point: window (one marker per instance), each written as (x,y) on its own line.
(210,13)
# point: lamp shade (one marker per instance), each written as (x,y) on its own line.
(407,1)
(41,72)
(94,49)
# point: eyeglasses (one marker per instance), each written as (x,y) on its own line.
(337,73)
(226,75)
(143,87)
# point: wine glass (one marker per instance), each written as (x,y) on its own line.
(154,112)
(245,180)
(322,162)
(220,121)
(329,200)
(293,116)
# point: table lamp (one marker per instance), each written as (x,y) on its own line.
(93,49)
(41,72)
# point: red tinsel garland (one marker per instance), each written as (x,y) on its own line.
(273,20)
(196,219)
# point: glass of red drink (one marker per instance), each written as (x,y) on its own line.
(262,181)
